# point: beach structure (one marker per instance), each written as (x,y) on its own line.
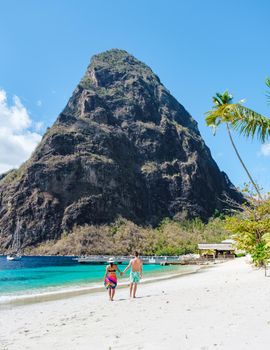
(103,259)
(100,259)
(225,249)
(267,270)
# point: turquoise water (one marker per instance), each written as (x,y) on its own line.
(40,274)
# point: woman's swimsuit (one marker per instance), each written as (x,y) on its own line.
(111,278)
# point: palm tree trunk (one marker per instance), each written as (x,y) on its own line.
(241,161)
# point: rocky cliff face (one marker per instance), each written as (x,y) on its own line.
(123,146)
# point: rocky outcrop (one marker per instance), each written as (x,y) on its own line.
(123,146)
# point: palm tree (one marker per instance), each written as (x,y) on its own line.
(240,118)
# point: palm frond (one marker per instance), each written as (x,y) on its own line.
(216,101)
(250,123)
(221,113)
(212,117)
(222,99)
(226,97)
(267,82)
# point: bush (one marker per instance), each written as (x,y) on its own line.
(251,230)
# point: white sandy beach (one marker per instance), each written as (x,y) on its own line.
(224,307)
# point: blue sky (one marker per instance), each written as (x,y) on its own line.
(196,48)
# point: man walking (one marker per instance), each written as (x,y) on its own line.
(135,274)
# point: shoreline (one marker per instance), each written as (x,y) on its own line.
(9,301)
(221,308)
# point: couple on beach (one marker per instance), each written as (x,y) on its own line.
(110,279)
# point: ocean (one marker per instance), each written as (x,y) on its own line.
(46,274)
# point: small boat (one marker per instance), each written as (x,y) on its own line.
(152,260)
(14,257)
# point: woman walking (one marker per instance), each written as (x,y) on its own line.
(110,279)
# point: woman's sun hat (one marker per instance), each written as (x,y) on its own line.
(111,260)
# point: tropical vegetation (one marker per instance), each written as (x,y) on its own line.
(123,237)
(251,230)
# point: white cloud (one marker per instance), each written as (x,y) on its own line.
(38,126)
(17,141)
(265,149)
(39,103)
